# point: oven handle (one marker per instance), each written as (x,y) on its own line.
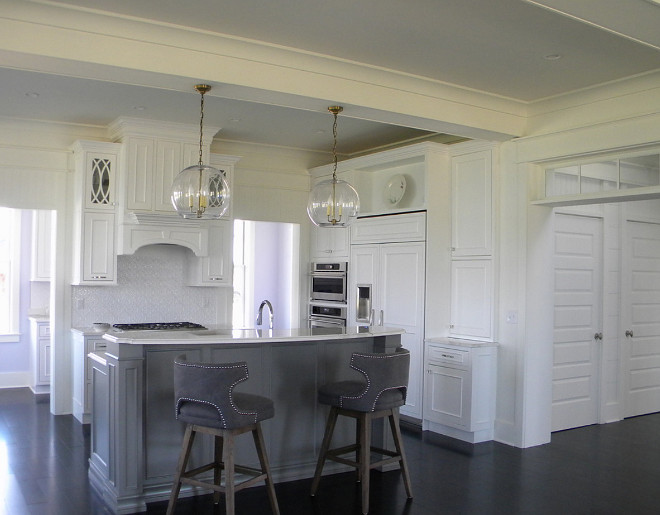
(328,274)
(339,322)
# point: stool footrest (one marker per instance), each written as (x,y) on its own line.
(336,456)
(257,475)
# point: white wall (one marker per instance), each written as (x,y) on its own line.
(525,232)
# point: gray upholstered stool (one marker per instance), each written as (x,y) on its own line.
(379,395)
(206,401)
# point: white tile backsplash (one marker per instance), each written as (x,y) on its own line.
(150,288)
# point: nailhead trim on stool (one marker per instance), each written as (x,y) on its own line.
(380,395)
(205,400)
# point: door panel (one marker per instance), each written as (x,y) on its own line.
(641,352)
(396,273)
(577,318)
(402,270)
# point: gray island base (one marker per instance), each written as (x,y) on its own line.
(135,438)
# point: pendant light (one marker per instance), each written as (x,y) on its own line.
(333,202)
(200,191)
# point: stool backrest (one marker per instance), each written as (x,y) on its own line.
(383,372)
(210,384)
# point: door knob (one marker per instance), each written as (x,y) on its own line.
(629,333)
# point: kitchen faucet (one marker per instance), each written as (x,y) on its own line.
(270,311)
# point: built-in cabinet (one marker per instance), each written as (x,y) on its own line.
(153,164)
(387,272)
(391,278)
(40,366)
(84,341)
(122,202)
(330,243)
(471,275)
(459,391)
(95,211)
(216,268)
(153,154)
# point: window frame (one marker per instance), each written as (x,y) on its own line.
(13,334)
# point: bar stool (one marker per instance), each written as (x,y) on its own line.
(379,395)
(205,400)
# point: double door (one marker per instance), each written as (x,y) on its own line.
(596,369)
(394,274)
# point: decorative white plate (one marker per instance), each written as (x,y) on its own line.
(394,190)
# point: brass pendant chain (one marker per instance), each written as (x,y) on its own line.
(201,127)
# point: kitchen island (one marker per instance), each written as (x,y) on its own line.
(136,438)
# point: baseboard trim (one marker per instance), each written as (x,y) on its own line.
(14,379)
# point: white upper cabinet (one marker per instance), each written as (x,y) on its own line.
(99,262)
(389,229)
(138,161)
(153,154)
(471,187)
(216,268)
(330,243)
(95,261)
(472,299)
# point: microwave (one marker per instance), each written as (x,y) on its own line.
(328,282)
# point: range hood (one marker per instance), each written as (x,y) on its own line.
(140,229)
(152,154)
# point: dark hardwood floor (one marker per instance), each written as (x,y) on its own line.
(607,469)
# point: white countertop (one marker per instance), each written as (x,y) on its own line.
(220,335)
(458,342)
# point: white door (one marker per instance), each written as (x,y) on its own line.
(401,303)
(578,278)
(641,317)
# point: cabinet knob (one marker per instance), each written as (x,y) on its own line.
(598,336)
(629,333)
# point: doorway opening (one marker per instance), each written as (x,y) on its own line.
(266,267)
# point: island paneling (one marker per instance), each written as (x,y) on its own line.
(136,438)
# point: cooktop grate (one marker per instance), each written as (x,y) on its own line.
(157,326)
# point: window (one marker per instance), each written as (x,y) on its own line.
(10,242)
(641,170)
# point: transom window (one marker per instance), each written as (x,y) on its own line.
(606,175)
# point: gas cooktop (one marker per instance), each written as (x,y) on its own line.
(157,326)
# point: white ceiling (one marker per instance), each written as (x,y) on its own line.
(494,46)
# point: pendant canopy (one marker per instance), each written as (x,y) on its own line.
(333,202)
(201,191)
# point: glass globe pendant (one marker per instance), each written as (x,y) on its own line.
(333,202)
(201,191)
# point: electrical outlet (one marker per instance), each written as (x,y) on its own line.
(512,317)
(80,304)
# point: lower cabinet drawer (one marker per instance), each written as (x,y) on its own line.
(448,356)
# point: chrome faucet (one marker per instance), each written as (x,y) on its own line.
(270,311)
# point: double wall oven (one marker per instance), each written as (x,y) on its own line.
(327,300)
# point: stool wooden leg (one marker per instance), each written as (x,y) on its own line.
(398,442)
(188,438)
(228,460)
(358,426)
(265,466)
(217,469)
(325,445)
(365,458)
